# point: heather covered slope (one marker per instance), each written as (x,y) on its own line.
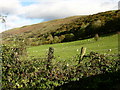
(43,27)
(67,29)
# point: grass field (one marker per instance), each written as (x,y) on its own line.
(70,49)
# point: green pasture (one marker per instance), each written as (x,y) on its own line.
(70,49)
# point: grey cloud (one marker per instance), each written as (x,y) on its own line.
(9,6)
(105,3)
(48,11)
(53,9)
(111,4)
(5,10)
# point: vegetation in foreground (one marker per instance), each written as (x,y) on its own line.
(48,72)
(53,70)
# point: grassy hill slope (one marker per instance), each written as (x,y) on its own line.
(70,49)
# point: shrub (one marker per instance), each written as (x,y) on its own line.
(50,38)
(62,37)
(69,37)
(56,39)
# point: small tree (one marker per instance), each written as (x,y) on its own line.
(56,39)
(69,37)
(50,38)
(61,38)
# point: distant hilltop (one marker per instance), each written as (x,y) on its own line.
(66,29)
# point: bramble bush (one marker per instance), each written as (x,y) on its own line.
(33,72)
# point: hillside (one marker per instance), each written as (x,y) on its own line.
(70,49)
(67,29)
(43,27)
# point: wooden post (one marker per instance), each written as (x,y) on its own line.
(50,57)
(82,53)
(96,37)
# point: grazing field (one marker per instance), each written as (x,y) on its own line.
(70,49)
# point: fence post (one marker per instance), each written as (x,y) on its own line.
(82,53)
(50,57)
(96,37)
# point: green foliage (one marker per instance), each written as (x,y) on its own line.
(62,37)
(32,72)
(50,38)
(69,37)
(96,25)
(56,39)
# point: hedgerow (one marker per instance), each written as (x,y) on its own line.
(34,73)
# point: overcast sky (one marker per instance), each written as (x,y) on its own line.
(27,12)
